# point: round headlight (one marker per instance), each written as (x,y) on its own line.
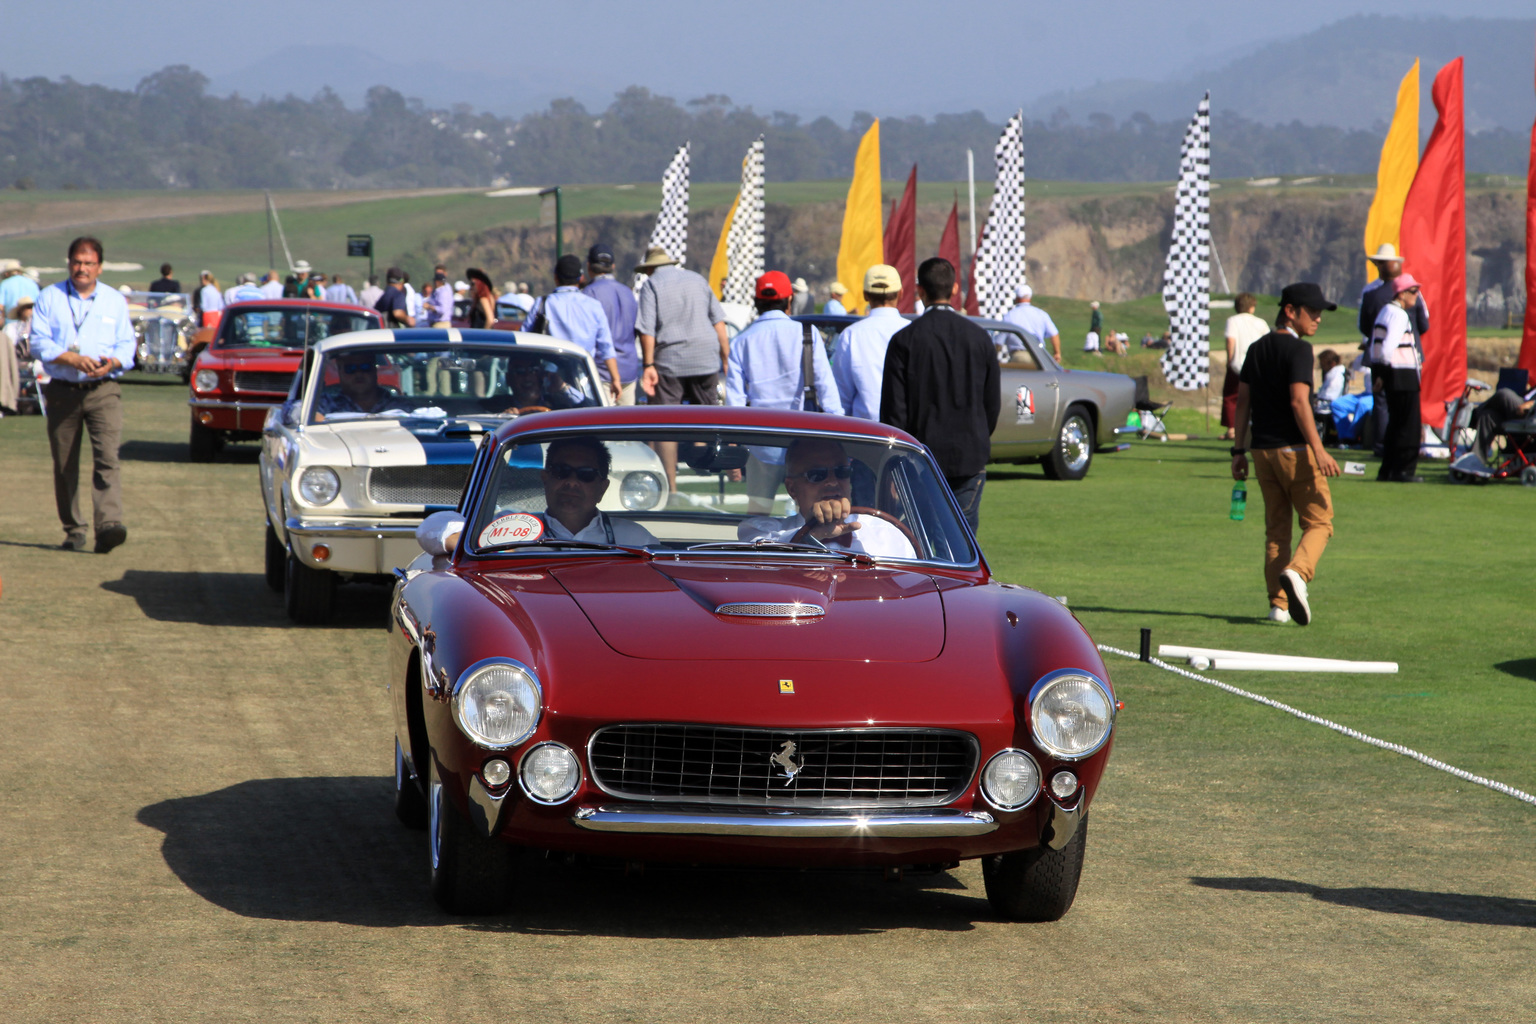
(206,380)
(319,485)
(640,491)
(1071,714)
(550,773)
(1011,780)
(497,703)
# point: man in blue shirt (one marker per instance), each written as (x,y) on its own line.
(340,291)
(1032,320)
(572,316)
(858,356)
(83,335)
(618,302)
(766,370)
(394,304)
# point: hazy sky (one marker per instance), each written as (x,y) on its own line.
(805,57)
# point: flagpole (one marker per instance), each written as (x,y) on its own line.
(970,165)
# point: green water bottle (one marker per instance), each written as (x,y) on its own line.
(1239,501)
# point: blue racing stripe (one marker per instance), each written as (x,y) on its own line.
(421,334)
(455,452)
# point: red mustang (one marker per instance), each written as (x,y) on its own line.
(251,363)
(800,659)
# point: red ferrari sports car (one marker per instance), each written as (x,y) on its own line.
(800,658)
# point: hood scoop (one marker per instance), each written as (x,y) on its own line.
(759,610)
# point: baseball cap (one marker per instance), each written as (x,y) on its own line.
(837,288)
(1308,294)
(882,279)
(774,285)
(567,268)
(394,275)
(599,254)
(1023,291)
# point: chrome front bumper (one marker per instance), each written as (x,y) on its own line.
(787,824)
(236,406)
(375,546)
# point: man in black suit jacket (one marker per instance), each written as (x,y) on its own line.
(941,386)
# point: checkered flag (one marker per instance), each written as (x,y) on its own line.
(744,245)
(1187,275)
(671,231)
(999,265)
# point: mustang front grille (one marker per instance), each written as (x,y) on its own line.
(417,485)
(807,768)
(265,381)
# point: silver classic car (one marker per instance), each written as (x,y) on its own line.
(379,430)
(1050,415)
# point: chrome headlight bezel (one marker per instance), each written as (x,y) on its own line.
(648,490)
(986,774)
(205,380)
(1040,694)
(318,485)
(574,774)
(531,691)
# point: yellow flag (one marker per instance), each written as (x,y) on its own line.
(863,243)
(1399,163)
(720,265)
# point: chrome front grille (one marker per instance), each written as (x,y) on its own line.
(266,381)
(417,485)
(837,768)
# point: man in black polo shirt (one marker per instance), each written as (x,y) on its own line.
(1275,388)
(394,303)
(941,386)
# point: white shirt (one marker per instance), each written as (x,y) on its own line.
(272,289)
(1333,387)
(1091,342)
(1392,342)
(210,298)
(858,360)
(1243,330)
(873,537)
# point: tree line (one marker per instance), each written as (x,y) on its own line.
(168,132)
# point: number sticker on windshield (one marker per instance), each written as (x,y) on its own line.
(518,527)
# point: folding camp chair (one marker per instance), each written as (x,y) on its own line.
(1151,412)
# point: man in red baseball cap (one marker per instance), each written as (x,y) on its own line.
(777,363)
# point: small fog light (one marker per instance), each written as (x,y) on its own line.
(205,418)
(321,552)
(550,773)
(496,772)
(1010,780)
(1063,785)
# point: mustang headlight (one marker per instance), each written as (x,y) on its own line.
(319,485)
(206,380)
(1011,780)
(1070,714)
(550,773)
(640,491)
(497,703)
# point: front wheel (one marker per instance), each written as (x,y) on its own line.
(1073,452)
(277,561)
(410,804)
(203,444)
(310,593)
(1038,884)
(471,874)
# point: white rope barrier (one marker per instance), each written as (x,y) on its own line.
(1396,748)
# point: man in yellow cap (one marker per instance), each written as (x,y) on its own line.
(858,357)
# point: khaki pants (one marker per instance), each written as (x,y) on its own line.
(627,393)
(99,410)
(1292,484)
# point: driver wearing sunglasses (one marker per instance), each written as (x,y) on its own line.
(576,476)
(359,389)
(818,476)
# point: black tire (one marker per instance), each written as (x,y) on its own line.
(1072,454)
(277,561)
(203,444)
(410,801)
(1038,884)
(1528,476)
(310,593)
(470,873)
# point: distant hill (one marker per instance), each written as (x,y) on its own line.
(1344,74)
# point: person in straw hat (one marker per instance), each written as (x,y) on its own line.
(1376,295)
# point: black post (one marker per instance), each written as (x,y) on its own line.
(1146,644)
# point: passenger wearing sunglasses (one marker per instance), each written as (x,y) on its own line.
(576,476)
(359,390)
(819,479)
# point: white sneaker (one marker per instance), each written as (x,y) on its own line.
(1277,614)
(1296,590)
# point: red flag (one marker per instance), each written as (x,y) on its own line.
(971,305)
(901,242)
(1528,343)
(1434,244)
(949,241)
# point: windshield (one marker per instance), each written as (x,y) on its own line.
(287,327)
(393,380)
(712,492)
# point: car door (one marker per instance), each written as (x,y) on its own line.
(1031,399)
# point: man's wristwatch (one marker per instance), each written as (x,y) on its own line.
(1239,451)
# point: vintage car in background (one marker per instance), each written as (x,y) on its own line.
(248,368)
(164,326)
(379,430)
(1050,415)
(716,686)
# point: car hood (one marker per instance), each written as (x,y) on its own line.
(666,611)
(390,442)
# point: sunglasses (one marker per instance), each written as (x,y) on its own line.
(358,367)
(819,474)
(564,470)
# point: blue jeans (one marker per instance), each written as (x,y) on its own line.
(968,494)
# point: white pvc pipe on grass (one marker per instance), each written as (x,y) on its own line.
(1215,657)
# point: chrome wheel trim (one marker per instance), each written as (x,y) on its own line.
(435,824)
(1075,450)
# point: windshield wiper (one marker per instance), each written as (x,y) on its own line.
(563,544)
(764,544)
